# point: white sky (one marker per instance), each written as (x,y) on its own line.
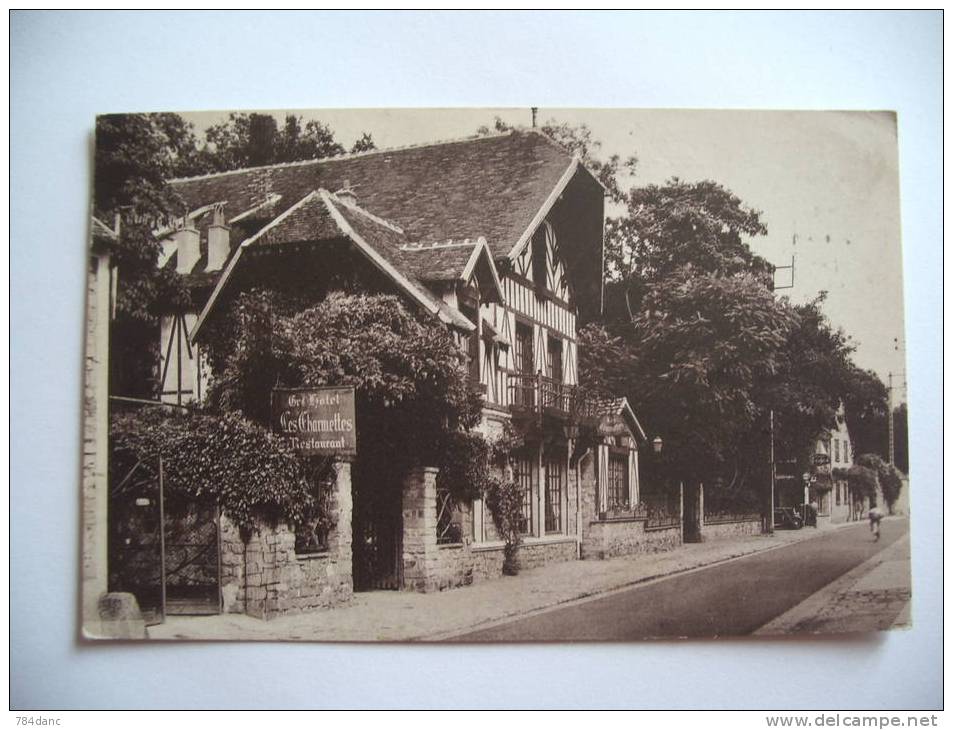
(831,178)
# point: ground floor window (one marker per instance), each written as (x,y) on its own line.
(524,476)
(618,482)
(554,495)
(448,529)
(312,536)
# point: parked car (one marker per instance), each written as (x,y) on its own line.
(786,518)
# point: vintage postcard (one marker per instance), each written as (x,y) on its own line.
(481,375)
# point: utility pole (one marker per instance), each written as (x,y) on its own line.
(533,110)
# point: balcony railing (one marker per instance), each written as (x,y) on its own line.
(539,394)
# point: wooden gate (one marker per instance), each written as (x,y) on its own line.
(170,560)
(377,536)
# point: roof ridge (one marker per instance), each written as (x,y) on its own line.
(366,213)
(278,219)
(354,155)
(450,243)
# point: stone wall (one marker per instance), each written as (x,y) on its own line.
(431,567)
(715,530)
(467,563)
(611,538)
(264,577)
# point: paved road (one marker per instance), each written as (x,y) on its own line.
(731,599)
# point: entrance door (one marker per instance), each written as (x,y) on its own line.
(377,529)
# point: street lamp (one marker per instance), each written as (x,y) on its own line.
(657,444)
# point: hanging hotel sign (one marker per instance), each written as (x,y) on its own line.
(821,459)
(315,421)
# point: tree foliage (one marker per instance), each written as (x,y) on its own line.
(135,155)
(900,436)
(862,482)
(865,404)
(224,460)
(887,477)
(410,378)
(812,379)
(253,139)
(504,500)
(705,349)
(668,227)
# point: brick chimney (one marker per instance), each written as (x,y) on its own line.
(218,245)
(187,246)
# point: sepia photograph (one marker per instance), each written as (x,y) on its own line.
(472,375)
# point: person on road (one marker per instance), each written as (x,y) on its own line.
(875,516)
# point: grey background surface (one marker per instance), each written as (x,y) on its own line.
(66,67)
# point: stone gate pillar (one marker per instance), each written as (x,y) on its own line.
(419,510)
(340,536)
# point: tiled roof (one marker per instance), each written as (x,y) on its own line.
(439,261)
(610,406)
(483,186)
(320,216)
(308,220)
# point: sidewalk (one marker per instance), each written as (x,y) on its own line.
(399,616)
(874,596)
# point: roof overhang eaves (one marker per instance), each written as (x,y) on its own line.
(483,249)
(233,262)
(627,410)
(415,292)
(547,205)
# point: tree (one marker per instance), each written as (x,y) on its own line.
(810,384)
(888,478)
(664,228)
(364,143)
(862,482)
(900,446)
(865,405)
(135,155)
(252,139)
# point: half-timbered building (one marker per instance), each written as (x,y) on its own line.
(500,238)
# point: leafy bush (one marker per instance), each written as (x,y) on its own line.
(409,375)
(890,484)
(862,482)
(504,499)
(226,460)
(887,476)
(465,466)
